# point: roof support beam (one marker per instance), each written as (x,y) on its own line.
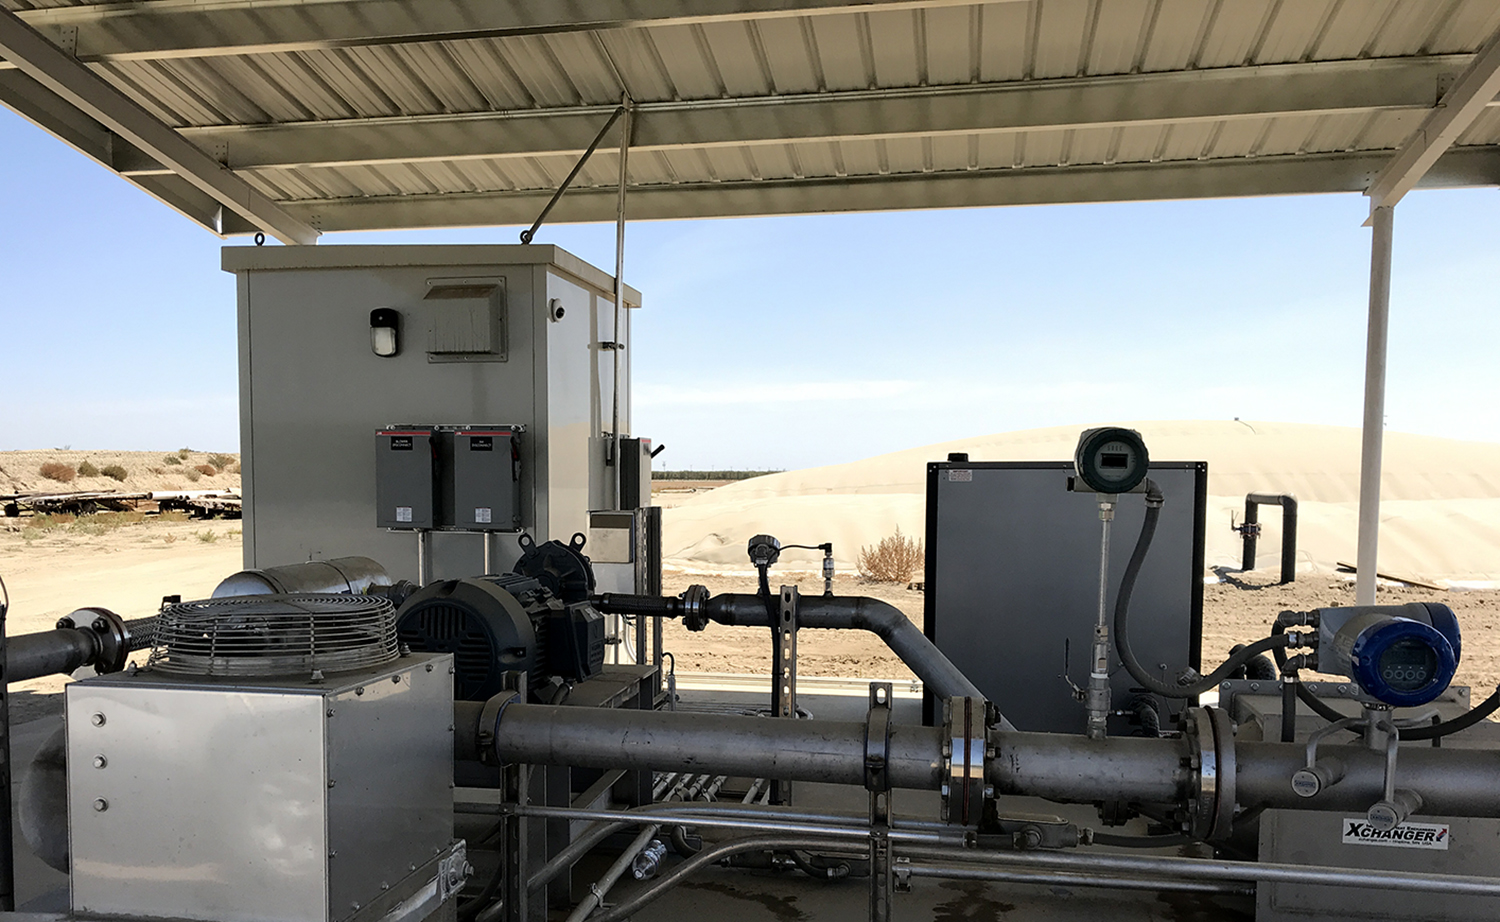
(157,29)
(1143,99)
(87,92)
(1287,175)
(1475,88)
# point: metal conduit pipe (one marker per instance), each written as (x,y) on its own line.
(1068,879)
(1210,869)
(905,639)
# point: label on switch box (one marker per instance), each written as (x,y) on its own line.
(482,515)
(403,513)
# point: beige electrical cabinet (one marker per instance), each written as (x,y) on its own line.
(485,335)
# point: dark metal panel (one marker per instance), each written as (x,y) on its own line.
(1012,582)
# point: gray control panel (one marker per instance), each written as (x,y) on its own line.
(482,478)
(405,477)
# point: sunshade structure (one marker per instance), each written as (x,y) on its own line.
(294,118)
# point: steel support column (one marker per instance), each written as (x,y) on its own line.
(1372,443)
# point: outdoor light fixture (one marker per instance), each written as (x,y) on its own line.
(385,325)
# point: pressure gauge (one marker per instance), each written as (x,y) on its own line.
(1111,459)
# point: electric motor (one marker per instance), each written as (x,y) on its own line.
(495,625)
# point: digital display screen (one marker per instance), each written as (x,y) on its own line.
(1408,665)
(1114,459)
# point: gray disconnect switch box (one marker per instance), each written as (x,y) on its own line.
(482,479)
(405,477)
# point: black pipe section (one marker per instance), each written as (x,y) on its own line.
(1288,504)
(32,656)
(887,622)
(64,650)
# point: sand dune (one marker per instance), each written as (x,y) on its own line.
(1440,512)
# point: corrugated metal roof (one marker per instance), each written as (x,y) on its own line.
(379,114)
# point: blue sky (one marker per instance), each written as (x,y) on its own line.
(792,342)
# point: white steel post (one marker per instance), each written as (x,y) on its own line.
(1381,220)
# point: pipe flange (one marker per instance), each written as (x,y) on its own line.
(489,722)
(111,637)
(695,607)
(1223,729)
(1210,735)
(963,787)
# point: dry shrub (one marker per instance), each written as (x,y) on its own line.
(85,469)
(221,461)
(172,459)
(193,474)
(58,471)
(173,515)
(114,472)
(207,470)
(170,539)
(234,468)
(893,560)
(208,536)
(158,471)
(184,452)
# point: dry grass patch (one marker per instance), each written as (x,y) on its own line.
(114,472)
(56,470)
(894,560)
(85,469)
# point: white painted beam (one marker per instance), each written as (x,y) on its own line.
(1137,100)
(1474,89)
(81,88)
(1284,175)
(156,29)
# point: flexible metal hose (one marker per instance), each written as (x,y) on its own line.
(1122,612)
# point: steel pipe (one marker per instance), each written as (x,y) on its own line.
(1210,869)
(65,650)
(791,750)
(885,621)
(595,897)
(1452,782)
(905,639)
(1059,767)
(31,656)
(1065,767)
(1070,879)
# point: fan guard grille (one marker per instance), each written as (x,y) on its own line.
(274,635)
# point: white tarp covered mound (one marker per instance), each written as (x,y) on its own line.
(1440,511)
